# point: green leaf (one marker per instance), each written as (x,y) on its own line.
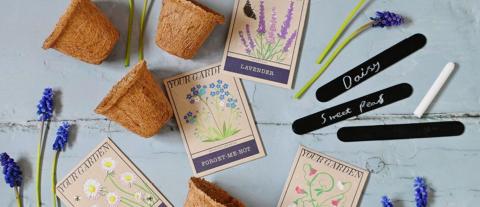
(224,129)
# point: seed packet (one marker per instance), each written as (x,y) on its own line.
(106,177)
(319,180)
(264,40)
(215,120)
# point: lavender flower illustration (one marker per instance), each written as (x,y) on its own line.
(261,22)
(273,27)
(251,42)
(286,24)
(271,44)
(244,42)
(217,111)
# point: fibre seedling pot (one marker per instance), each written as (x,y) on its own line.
(205,194)
(83,32)
(184,25)
(137,102)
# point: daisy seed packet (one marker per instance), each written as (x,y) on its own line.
(319,180)
(214,119)
(107,177)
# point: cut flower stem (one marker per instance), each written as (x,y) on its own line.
(142,30)
(129,34)
(39,164)
(340,31)
(315,77)
(54,178)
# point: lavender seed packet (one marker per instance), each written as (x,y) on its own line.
(264,40)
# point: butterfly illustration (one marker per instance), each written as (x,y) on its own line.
(248,10)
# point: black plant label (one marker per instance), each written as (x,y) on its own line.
(352,108)
(370,67)
(401,131)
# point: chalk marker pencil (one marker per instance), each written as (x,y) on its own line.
(436,87)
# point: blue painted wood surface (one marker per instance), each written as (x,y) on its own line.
(450,165)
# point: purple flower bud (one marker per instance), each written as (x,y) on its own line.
(387,19)
(273,27)
(45,105)
(244,42)
(62,137)
(386,202)
(286,24)
(289,42)
(261,19)
(11,171)
(249,36)
(421,194)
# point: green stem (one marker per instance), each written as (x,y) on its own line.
(299,94)
(213,115)
(118,187)
(18,197)
(54,178)
(133,202)
(271,52)
(39,165)
(146,189)
(126,203)
(337,195)
(129,34)
(142,30)
(340,31)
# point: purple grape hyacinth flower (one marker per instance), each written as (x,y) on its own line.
(289,42)
(261,19)
(288,20)
(273,27)
(62,137)
(244,42)
(251,42)
(45,105)
(386,202)
(387,19)
(421,194)
(11,171)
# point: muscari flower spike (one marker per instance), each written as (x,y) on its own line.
(62,137)
(11,171)
(421,194)
(386,202)
(45,105)
(387,19)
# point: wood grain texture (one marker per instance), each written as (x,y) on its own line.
(450,165)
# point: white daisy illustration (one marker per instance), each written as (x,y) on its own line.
(138,196)
(340,185)
(108,164)
(112,199)
(128,178)
(92,188)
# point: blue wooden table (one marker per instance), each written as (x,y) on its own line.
(450,165)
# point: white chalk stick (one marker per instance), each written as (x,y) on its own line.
(436,87)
